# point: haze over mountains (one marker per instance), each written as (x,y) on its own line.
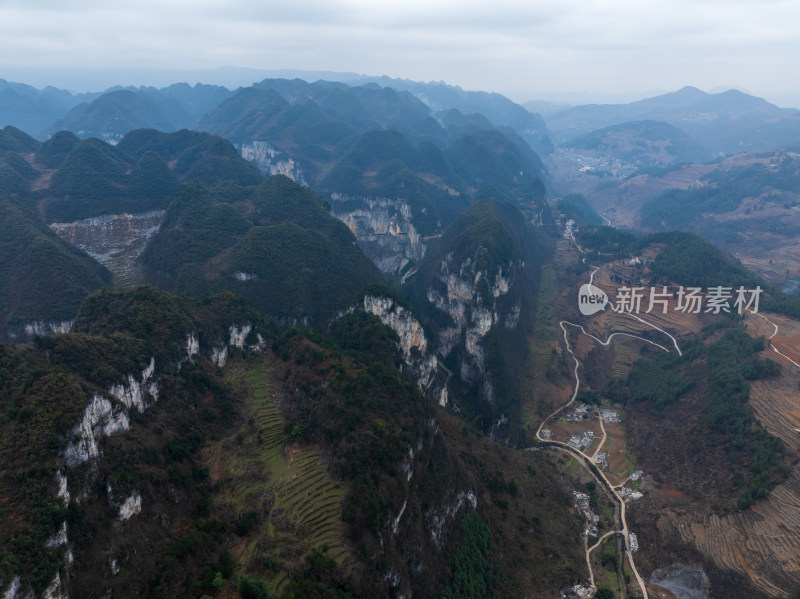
(305,339)
(724,123)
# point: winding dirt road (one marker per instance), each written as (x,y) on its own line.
(769,339)
(586,460)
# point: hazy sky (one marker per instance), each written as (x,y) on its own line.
(519,48)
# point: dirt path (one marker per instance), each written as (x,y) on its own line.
(769,339)
(589,462)
(602,440)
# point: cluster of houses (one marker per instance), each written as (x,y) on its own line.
(632,494)
(579,591)
(568,228)
(583,411)
(597,164)
(629,493)
(601,458)
(609,415)
(592,519)
(582,442)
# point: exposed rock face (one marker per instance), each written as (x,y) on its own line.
(239,335)
(237,339)
(59,538)
(105,415)
(134,391)
(13,591)
(192,346)
(383,229)
(437,519)
(55,590)
(468,297)
(429,374)
(219,355)
(39,327)
(116,240)
(685,582)
(130,507)
(101,418)
(63,491)
(272,161)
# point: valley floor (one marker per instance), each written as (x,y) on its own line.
(760,544)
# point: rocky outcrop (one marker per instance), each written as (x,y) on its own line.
(59,538)
(13,590)
(467,298)
(109,413)
(272,161)
(383,228)
(116,240)
(239,335)
(430,375)
(219,355)
(101,418)
(683,581)
(438,519)
(130,507)
(56,589)
(63,492)
(192,346)
(104,417)
(27,331)
(134,391)
(237,338)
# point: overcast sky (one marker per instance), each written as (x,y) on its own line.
(523,49)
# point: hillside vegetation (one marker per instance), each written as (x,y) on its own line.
(688,259)
(281,250)
(476,290)
(351,473)
(29,278)
(66,179)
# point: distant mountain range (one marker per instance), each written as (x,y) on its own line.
(727,122)
(348,313)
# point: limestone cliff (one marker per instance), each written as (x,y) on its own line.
(430,375)
(272,161)
(116,240)
(237,339)
(470,303)
(108,414)
(476,292)
(27,331)
(384,229)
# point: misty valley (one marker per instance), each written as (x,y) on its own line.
(382,338)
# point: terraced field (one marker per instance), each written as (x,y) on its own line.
(763,542)
(282,487)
